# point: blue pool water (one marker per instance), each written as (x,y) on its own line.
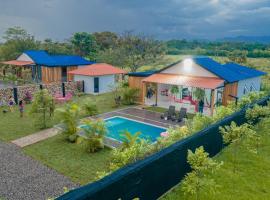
(117,125)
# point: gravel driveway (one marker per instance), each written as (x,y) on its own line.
(21,177)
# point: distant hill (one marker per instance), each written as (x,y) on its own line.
(250,39)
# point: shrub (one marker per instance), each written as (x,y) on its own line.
(41,107)
(70,118)
(130,95)
(93,134)
(233,135)
(250,98)
(122,157)
(90,109)
(201,165)
(130,139)
(174,134)
(257,113)
(199,122)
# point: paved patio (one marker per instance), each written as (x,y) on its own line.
(139,114)
(21,177)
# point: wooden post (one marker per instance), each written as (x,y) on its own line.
(212,101)
(156,94)
(143,92)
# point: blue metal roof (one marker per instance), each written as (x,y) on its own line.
(142,74)
(231,72)
(41,57)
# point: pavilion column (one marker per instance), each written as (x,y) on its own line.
(156,93)
(143,92)
(212,101)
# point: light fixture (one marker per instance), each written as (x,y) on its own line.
(188,64)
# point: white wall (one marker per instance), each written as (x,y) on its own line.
(105,83)
(88,83)
(190,69)
(256,82)
(24,57)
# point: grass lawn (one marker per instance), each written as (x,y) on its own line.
(69,159)
(251,181)
(13,127)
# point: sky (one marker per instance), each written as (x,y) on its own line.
(163,19)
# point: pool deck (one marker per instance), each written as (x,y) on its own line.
(142,115)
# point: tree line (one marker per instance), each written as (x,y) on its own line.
(126,50)
(196,47)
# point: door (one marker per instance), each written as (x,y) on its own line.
(96,84)
(64,74)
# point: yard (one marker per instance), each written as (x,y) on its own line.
(69,159)
(13,126)
(251,181)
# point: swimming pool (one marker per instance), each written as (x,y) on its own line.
(117,125)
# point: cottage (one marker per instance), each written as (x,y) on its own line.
(46,68)
(197,80)
(98,78)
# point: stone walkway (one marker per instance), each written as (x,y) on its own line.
(36,137)
(21,177)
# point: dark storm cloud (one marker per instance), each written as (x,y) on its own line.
(58,19)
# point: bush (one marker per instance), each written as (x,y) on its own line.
(90,109)
(130,95)
(257,113)
(42,108)
(70,118)
(93,134)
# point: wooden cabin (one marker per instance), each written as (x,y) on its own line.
(196,82)
(46,68)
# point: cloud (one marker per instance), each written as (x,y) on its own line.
(59,19)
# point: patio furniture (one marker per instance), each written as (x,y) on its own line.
(182,114)
(169,114)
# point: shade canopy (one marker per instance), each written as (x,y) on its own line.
(172,79)
(17,63)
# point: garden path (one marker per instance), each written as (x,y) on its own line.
(36,137)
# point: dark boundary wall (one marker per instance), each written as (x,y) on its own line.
(150,178)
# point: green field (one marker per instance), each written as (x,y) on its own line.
(251,180)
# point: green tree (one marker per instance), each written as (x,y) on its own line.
(84,44)
(17,40)
(238,56)
(196,180)
(55,47)
(106,39)
(234,135)
(132,51)
(41,107)
(69,116)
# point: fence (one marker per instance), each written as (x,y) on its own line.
(150,178)
(20,92)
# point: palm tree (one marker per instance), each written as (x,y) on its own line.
(94,131)
(70,118)
(130,139)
